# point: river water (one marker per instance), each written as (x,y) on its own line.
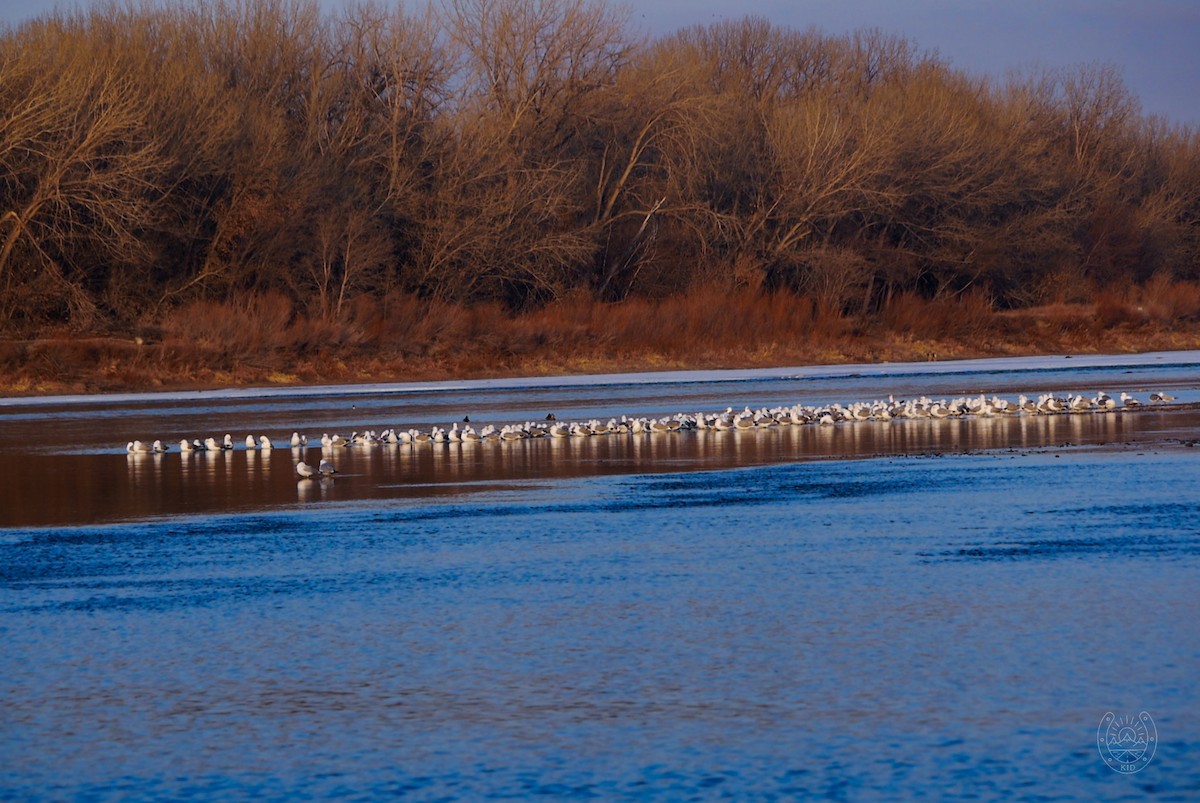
(864,611)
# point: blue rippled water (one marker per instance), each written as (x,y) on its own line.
(871,629)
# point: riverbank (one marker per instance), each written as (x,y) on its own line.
(263,342)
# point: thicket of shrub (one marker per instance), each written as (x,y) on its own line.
(332,176)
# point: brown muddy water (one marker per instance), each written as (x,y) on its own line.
(65,462)
(40,489)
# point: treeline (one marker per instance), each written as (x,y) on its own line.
(516,151)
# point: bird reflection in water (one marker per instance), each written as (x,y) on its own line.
(391,465)
(310,489)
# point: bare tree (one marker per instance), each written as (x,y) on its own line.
(79,166)
(480,150)
(495,227)
(532,63)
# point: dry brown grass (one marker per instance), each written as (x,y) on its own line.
(702,323)
(1168,301)
(263,340)
(951,317)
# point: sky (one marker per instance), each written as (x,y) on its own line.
(1154,43)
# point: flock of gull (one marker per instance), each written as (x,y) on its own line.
(747,419)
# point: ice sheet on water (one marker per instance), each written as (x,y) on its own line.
(990,365)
